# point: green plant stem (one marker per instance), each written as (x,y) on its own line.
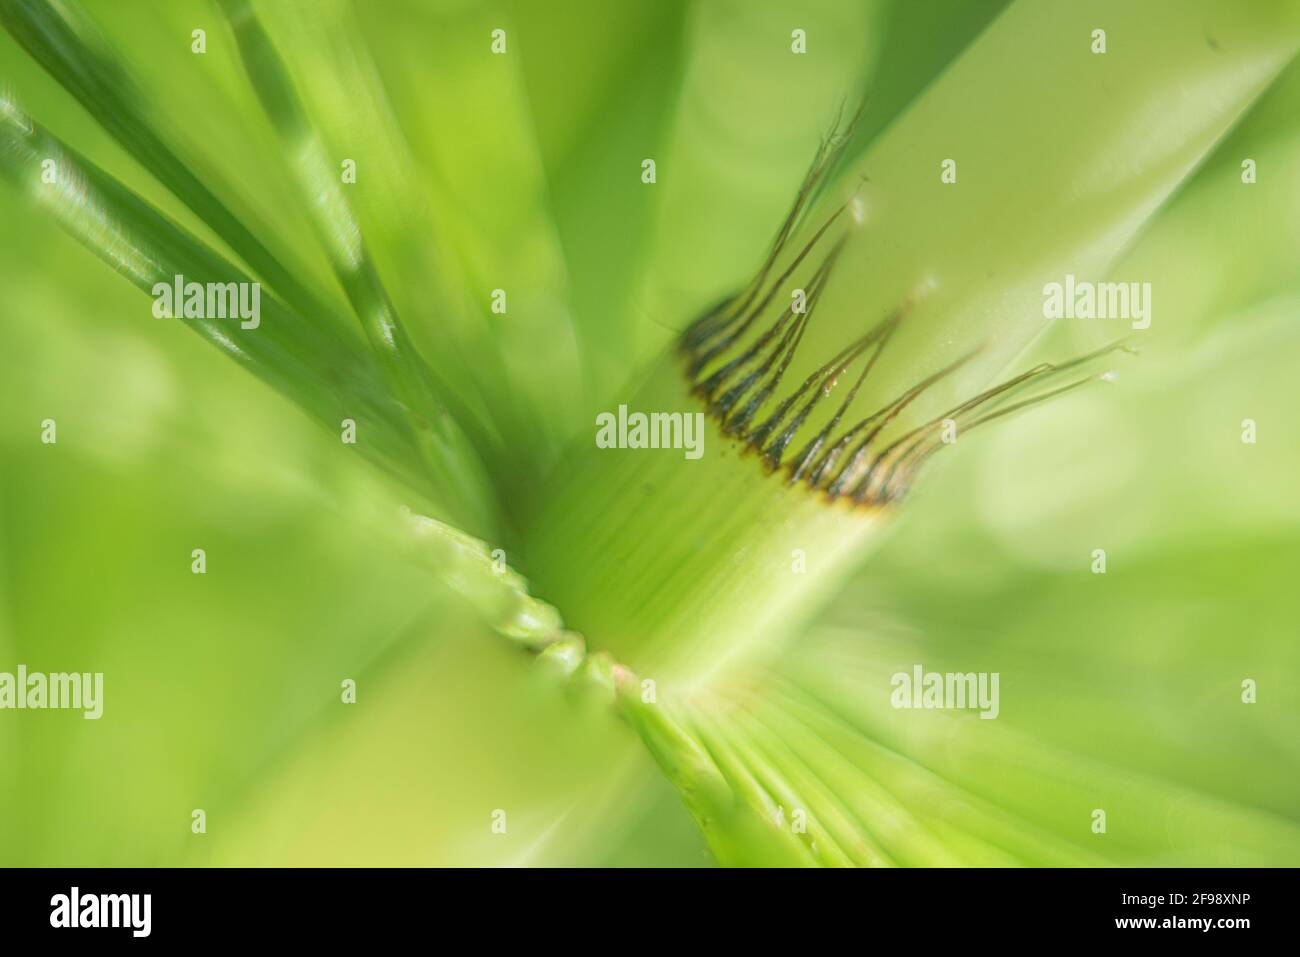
(677,566)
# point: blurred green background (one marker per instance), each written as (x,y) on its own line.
(1120,691)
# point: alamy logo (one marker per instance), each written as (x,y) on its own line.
(1073,299)
(213,300)
(103,910)
(930,689)
(37,690)
(653,430)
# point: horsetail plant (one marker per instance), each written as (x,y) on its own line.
(897,310)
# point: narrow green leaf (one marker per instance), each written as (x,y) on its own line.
(447,453)
(324,376)
(62,39)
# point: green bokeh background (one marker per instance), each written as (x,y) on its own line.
(1119,691)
